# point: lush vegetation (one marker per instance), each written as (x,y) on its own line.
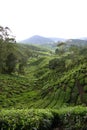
(35,83)
(72,118)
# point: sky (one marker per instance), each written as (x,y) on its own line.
(49,18)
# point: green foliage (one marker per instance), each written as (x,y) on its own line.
(44,119)
(58,64)
(11,63)
(22,65)
(85,88)
(5,35)
(41,79)
(61,48)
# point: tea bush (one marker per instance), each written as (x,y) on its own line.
(70,118)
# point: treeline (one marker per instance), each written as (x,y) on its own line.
(11,56)
(68,57)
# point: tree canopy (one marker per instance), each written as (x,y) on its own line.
(6,35)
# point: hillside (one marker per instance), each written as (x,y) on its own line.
(45,91)
(50,81)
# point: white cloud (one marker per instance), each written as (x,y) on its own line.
(61,18)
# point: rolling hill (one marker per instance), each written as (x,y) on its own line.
(51,94)
(41,89)
(50,81)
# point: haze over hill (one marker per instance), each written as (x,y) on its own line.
(52,42)
(78,42)
(36,39)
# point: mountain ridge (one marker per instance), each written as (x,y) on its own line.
(37,39)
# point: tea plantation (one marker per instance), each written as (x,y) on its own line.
(44,90)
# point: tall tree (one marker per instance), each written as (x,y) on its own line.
(61,48)
(6,35)
(11,63)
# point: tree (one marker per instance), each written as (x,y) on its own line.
(58,64)
(5,35)
(11,63)
(61,48)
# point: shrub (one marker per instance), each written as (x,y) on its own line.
(71,118)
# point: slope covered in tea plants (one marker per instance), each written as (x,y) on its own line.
(50,81)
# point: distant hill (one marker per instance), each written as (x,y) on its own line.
(40,40)
(51,42)
(55,39)
(77,42)
(36,39)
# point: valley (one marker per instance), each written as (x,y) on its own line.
(45,89)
